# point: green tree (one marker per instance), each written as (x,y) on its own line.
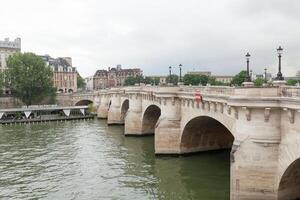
(239,78)
(212,80)
(172,79)
(80,82)
(291,82)
(131,80)
(29,78)
(195,79)
(151,80)
(191,79)
(203,79)
(258,82)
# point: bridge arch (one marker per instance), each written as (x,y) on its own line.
(289,185)
(205,133)
(84,102)
(124,108)
(150,118)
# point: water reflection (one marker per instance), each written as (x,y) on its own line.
(89,160)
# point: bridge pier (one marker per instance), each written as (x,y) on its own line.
(133,119)
(102,111)
(167,130)
(114,111)
(254,156)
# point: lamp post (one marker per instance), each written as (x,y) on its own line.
(248,78)
(279,74)
(170,68)
(265,75)
(180,68)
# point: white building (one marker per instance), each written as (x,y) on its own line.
(8,48)
(89,83)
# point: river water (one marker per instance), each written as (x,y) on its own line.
(90,160)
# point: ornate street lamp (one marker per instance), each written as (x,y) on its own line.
(265,75)
(180,67)
(279,74)
(170,72)
(248,78)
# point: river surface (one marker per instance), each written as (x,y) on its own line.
(90,160)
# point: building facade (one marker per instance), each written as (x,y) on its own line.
(224,79)
(64,75)
(200,73)
(89,83)
(8,48)
(113,77)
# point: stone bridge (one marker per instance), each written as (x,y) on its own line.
(261,126)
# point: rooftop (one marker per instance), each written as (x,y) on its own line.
(6,43)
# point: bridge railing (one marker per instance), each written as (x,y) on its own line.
(291,91)
(211,90)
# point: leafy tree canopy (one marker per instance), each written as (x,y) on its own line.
(239,78)
(212,81)
(132,80)
(258,82)
(291,82)
(80,82)
(194,79)
(172,79)
(29,78)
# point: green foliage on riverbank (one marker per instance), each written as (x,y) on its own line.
(132,80)
(258,82)
(29,78)
(291,82)
(239,78)
(80,82)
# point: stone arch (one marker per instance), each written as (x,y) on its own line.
(124,108)
(150,118)
(205,133)
(70,91)
(289,186)
(84,102)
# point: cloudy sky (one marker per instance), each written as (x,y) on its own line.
(211,35)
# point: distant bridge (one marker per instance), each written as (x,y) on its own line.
(260,125)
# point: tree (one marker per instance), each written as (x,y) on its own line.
(258,82)
(172,79)
(239,78)
(191,79)
(131,80)
(80,82)
(156,81)
(291,82)
(29,78)
(203,79)
(195,79)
